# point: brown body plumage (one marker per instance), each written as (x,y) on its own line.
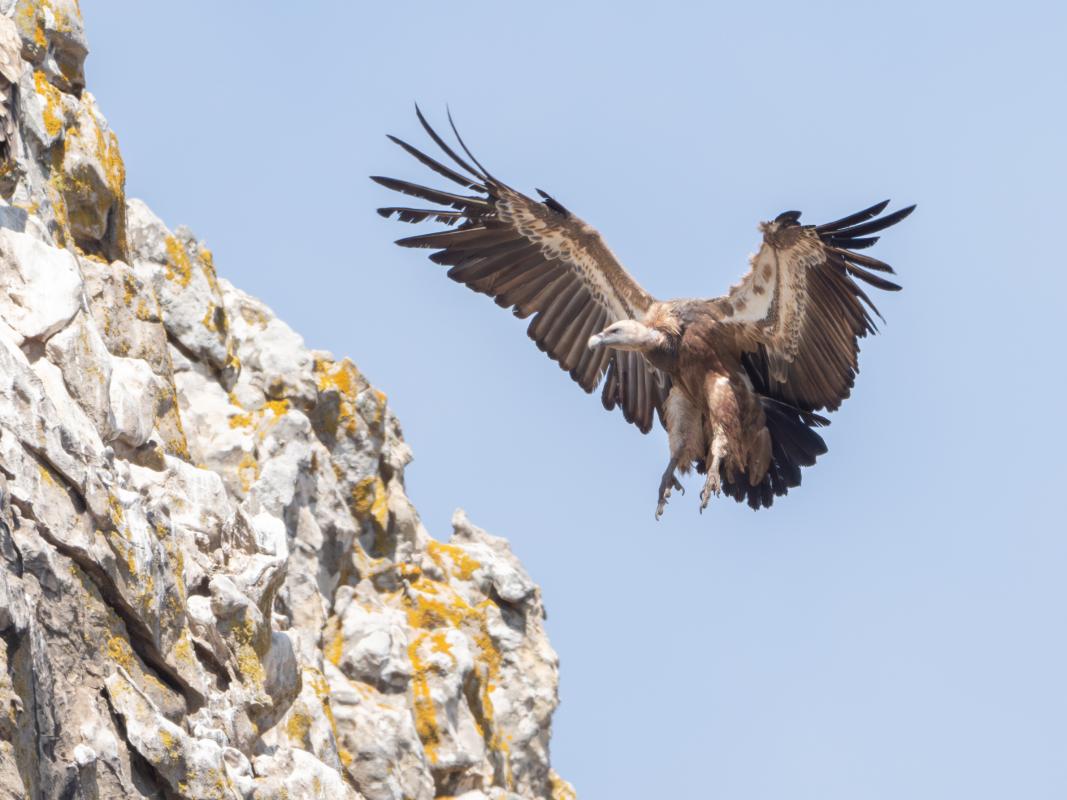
(736,380)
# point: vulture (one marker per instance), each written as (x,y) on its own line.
(737,380)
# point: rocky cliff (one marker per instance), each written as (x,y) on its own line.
(213,584)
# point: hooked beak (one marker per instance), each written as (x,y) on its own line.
(596,340)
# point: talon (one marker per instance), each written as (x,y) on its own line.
(712,486)
(666,484)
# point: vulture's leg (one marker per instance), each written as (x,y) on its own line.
(713,484)
(685,435)
(666,483)
(723,418)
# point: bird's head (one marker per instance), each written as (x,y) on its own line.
(626,334)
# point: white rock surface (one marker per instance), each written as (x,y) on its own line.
(40,288)
(212,583)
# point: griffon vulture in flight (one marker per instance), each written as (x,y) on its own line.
(736,380)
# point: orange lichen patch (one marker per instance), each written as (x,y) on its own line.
(209,318)
(409,572)
(378,403)
(147,596)
(233,362)
(268,412)
(247,658)
(108,154)
(425,716)
(46,474)
(119,651)
(176,444)
(317,681)
(241,420)
(183,648)
(144,312)
(346,380)
(207,265)
(115,511)
(335,641)
(370,499)
(439,644)
(341,376)
(431,606)
(436,605)
(248,471)
(253,316)
(560,789)
(178,266)
(129,288)
(279,407)
(460,564)
(170,744)
(53,122)
(298,727)
(122,548)
(29,19)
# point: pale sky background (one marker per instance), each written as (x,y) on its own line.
(893,629)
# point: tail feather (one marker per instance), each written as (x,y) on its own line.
(794,444)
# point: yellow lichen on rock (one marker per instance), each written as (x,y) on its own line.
(183,648)
(237,580)
(110,157)
(560,789)
(207,266)
(170,745)
(209,318)
(334,641)
(29,21)
(253,316)
(115,511)
(433,606)
(370,499)
(459,563)
(344,379)
(53,108)
(247,658)
(298,727)
(178,267)
(425,715)
(119,651)
(247,471)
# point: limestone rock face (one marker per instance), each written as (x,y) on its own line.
(212,583)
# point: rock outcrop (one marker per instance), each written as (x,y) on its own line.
(213,584)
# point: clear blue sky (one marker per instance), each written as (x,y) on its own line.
(896,627)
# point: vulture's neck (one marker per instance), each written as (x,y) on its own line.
(642,339)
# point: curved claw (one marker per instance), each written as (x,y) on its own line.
(667,484)
(713,485)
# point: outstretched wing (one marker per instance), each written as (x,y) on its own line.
(540,260)
(799,312)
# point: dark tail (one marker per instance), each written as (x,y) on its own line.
(795,444)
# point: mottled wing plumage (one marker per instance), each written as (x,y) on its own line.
(542,261)
(799,313)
